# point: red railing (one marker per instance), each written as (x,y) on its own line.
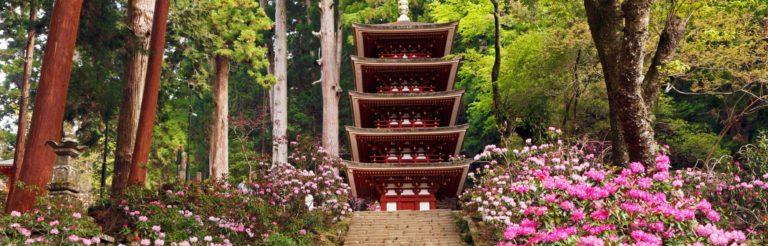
(405,89)
(406,158)
(406,124)
(405,55)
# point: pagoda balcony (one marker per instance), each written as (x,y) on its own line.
(394,53)
(414,110)
(379,75)
(412,88)
(406,123)
(407,186)
(407,158)
(405,145)
(424,152)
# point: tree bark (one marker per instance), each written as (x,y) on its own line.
(330,75)
(48,114)
(604,24)
(633,113)
(620,31)
(21,131)
(140,14)
(279,90)
(218,164)
(500,119)
(669,40)
(138,169)
(308,17)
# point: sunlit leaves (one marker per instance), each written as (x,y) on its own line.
(231,28)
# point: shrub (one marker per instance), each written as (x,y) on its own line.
(298,204)
(754,157)
(50,223)
(284,205)
(557,193)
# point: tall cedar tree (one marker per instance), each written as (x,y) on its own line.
(50,101)
(140,14)
(279,91)
(21,130)
(228,32)
(138,168)
(330,77)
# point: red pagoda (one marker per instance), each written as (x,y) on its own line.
(405,136)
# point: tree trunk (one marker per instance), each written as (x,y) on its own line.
(140,14)
(674,31)
(218,164)
(604,24)
(48,114)
(138,168)
(279,90)
(21,131)
(620,31)
(308,16)
(633,113)
(572,101)
(619,154)
(330,82)
(500,121)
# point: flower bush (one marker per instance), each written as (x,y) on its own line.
(299,204)
(51,223)
(559,194)
(742,201)
(285,204)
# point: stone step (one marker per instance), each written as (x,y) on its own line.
(434,227)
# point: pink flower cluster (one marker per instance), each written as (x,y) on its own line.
(56,225)
(284,184)
(288,191)
(558,194)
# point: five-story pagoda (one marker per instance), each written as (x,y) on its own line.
(404,108)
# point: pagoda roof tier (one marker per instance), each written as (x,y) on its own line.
(430,74)
(367,179)
(413,39)
(441,142)
(374,110)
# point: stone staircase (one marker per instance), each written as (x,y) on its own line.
(435,227)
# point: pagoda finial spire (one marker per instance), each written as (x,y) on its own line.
(402,5)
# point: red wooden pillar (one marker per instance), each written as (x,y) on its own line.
(48,114)
(149,102)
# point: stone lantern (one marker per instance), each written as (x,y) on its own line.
(71,180)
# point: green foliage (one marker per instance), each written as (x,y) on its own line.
(754,157)
(690,143)
(278,239)
(229,28)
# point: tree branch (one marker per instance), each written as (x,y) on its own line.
(669,40)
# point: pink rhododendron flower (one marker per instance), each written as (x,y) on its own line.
(637,167)
(662,163)
(590,241)
(73,238)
